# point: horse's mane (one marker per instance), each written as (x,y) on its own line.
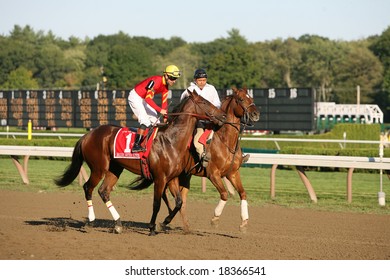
(225,102)
(178,108)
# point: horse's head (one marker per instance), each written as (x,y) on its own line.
(205,107)
(247,108)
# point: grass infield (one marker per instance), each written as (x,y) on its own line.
(330,187)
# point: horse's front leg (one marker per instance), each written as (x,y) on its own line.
(235,179)
(104,191)
(218,183)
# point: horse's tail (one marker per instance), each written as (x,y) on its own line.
(73,169)
(140,183)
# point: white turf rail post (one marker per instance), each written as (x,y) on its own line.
(42,151)
(381,194)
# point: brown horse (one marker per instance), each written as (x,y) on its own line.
(226,157)
(166,158)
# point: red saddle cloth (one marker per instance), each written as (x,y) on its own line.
(203,138)
(124,142)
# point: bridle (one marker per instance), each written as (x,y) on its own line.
(237,125)
(208,115)
(246,118)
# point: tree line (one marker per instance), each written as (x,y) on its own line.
(39,60)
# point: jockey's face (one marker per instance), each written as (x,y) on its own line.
(201,82)
(170,81)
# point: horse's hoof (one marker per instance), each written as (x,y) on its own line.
(215,221)
(118,229)
(186,230)
(244,226)
(161,227)
(88,225)
(152,233)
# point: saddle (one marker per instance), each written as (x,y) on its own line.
(124,142)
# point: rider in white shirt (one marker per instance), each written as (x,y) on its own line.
(209,93)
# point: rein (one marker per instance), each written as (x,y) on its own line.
(236,125)
(208,116)
(202,117)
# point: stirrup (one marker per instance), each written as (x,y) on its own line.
(245,158)
(137,148)
(206,157)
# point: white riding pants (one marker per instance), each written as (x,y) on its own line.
(145,114)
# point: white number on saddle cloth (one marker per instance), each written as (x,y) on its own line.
(128,140)
(124,141)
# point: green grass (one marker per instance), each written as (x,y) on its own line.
(330,187)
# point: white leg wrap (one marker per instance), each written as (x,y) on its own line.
(91,213)
(113,211)
(218,210)
(244,210)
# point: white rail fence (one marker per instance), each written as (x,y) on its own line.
(40,134)
(27,151)
(301,161)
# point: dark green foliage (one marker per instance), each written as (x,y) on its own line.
(333,68)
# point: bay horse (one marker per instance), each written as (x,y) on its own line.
(226,158)
(166,158)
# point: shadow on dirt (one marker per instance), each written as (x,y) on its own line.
(63,224)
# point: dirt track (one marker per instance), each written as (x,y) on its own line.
(50,226)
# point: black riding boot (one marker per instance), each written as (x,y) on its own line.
(137,144)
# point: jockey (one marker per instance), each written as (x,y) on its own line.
(142,104)
(209,93)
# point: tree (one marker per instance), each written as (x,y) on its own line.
(229,61)
(381,48)
(51,66)
(16,50)
(75,64)
(186,60)
(358,66)
(20,78)
(128,64)
(319,56)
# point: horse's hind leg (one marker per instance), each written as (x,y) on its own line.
(184,183)
(183,212)
(159,188)
(166,200)
(175,190)
(88,187)
(104,191)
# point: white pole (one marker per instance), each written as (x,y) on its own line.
(358,102)
(381,194)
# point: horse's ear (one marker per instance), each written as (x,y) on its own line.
(192,92)
(234,89)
